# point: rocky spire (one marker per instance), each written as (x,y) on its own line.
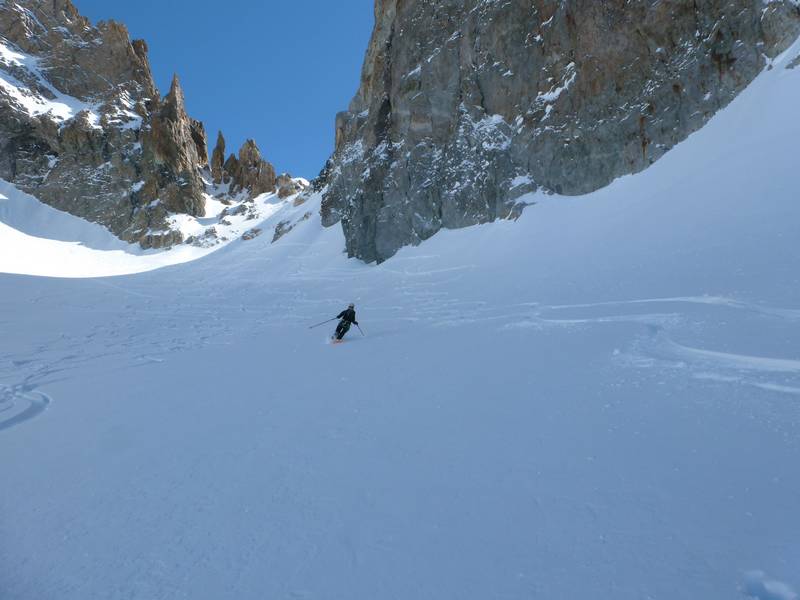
(175,148)
(218,160)
(174,106)
(249,171)
(255,173)
(200,141)
(174,109)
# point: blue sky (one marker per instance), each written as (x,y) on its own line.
(274,71)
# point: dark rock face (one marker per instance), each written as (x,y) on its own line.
(83,127)
(465,105)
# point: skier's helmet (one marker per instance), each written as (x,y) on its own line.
(351,305)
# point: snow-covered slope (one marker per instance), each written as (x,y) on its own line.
(601,400)
(36,239)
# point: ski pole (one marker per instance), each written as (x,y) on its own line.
(323,323)
(361,330)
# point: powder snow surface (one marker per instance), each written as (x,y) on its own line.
(600,400)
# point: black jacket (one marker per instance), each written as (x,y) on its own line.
(348,315)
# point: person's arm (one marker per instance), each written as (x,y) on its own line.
(341,315)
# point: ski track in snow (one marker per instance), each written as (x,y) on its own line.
(655,348)
(759,586)
(18,405)
(653,344)
(130,335)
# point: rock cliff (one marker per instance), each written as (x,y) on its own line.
(466,105)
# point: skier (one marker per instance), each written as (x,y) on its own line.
(348,318)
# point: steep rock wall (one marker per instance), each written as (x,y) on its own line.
(466,105)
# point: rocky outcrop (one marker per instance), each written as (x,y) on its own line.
(248,173)
(251,234)
(284,227)
(288,186)
(466,105)
(83,127)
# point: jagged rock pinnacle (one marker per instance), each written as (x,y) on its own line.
(175,102)
(218,160)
